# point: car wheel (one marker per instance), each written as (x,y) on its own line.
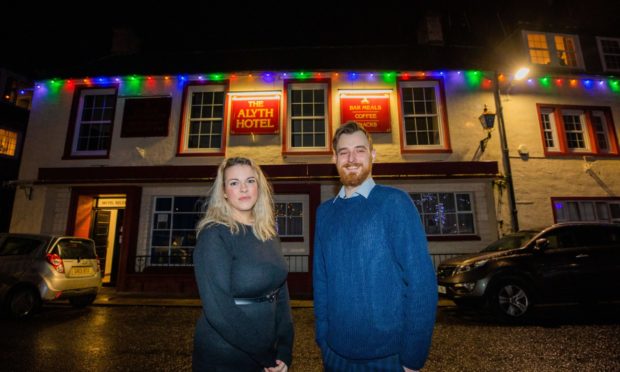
(511,300)
(23,302)
(82,301)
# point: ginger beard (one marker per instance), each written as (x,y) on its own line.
(354,174)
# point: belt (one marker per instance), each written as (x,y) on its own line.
(270,297)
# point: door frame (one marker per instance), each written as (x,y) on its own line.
(133,196)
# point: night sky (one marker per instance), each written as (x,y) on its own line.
(39,39)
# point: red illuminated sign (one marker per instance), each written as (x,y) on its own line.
(370,110)
(255,114)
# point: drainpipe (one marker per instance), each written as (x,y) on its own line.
(514,222)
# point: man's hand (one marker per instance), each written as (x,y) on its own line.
(280,367)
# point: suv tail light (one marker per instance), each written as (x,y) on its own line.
(56,261)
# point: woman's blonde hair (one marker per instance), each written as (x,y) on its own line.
(220,212)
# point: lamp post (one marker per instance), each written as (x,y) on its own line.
(514,222)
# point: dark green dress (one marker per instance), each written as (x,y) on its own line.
(232,337)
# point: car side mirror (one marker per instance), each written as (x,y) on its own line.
(541,244)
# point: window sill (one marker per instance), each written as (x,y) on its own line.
(447,238)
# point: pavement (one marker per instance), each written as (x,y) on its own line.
(108,296)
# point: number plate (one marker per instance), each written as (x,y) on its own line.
(441,289)
(81,271)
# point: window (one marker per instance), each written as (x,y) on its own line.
(92,132)
(293,224)
(307,121)
(424,125)
(173,231)
(18,246)
(203,119)
(289,219)
(8,142)
(609,49)
(575,130)
(445,213)
(554,49)
(603,210)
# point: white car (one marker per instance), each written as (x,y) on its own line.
(40,268)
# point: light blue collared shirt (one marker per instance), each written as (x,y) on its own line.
(363,190)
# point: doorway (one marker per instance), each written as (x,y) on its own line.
(107,231)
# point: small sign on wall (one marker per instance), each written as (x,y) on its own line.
(254,114)
(370,109)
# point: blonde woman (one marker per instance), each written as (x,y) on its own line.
(246,322)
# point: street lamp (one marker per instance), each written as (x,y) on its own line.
(514,222)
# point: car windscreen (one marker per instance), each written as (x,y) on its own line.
(71,249)
(510,241)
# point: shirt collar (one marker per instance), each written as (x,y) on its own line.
(363,190)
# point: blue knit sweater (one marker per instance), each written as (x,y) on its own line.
(375,292)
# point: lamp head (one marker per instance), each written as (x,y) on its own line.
(487,119)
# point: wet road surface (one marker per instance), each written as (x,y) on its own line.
(152,338)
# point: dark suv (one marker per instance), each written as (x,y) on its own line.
(566,262)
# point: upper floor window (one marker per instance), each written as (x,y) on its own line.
(569,130)
(91,133)
(8,142)
(609,49)
(202,129)
(424,125)
(307,120)
(557,50)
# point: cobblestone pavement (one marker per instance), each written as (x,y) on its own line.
(160,338)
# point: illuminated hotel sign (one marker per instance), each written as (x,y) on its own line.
(254,113)
(368,108)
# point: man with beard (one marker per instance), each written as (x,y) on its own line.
(375,292)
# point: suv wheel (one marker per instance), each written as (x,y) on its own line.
(511,300)
(23,302)
(82,301)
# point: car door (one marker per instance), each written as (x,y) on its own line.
(601,244)
(560,262)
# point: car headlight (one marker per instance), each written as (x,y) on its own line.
(465,268)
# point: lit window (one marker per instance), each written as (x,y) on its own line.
(558,50)
(577,130)
(203,119)
(307,123)
(445,213)
(422,116)
(609,49)
(8,142)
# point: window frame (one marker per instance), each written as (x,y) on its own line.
(287,148)
(580,203)
(599,40)
(151,262)
(183,142)
(442,116)
(554,61)
(456,213)
(555,113)
(80,92)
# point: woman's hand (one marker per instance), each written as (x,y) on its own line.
(280,367)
